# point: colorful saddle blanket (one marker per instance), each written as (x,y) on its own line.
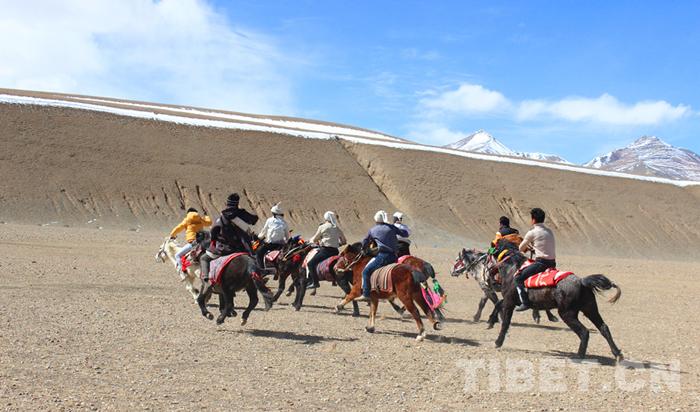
(272,256)
(546,279)
(381,279)
(324,270)
(218,265)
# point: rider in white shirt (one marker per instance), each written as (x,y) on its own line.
(274,234)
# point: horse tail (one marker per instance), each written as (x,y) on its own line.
(600,282)
(428,270)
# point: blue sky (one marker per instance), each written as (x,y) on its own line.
(572,78)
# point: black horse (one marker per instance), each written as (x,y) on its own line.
(570,296)
(241,273)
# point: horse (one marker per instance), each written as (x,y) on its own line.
(354,259)
(570,296)
(242,273)
(489,286)
(168,250)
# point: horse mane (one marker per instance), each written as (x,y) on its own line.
(354,248)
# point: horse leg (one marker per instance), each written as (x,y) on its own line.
(482,303)
(290,290)
(225,304)
(252,292)
(536,316)
(591,312)
(398,309)
(345,286)
(570,317)
(551,316)
(280,286)
(493,318)
(373,304)
(507,312)
(407,301)
(202,299)
(354,292)
(301,292)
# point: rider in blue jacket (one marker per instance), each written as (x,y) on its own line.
(384,235)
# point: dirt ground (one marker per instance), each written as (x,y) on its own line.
(90,321)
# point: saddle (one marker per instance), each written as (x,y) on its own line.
(546,279)
(272,256)
(324,269)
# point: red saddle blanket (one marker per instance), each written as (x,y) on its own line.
(324,270)
(218,265)
(381,279)
(403,259)
(546,279)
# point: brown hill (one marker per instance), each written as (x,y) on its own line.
(69,167)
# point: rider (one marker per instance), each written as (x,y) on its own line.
(193,223)
(506,232)
(384,235)
(541,239)
(229,233)
(274,234)
(404,243)
(330,238)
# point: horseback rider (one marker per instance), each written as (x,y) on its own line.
(540,239)
(404,243)
(273,236)
(192,224)
(229,233)
(385,237)
(329,238)
(506,232)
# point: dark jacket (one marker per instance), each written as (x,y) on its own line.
(384,235)
(226,237)
(506,230)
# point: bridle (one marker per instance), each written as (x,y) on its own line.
(351,264)
(161,252)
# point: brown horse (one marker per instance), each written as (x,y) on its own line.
(403,287)
(241,273)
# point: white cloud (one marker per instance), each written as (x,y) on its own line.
(467,99)
(604,109)
(170,50)
(435,133)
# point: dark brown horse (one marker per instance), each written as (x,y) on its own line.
(352,258)
(570,296)
(241,273)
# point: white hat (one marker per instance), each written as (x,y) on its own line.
(381,217)
(398,215)
(330,218)
(277,209)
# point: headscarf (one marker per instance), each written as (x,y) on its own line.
(330,218)
(381,217)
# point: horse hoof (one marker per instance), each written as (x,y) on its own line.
(297,308)
(554,319)
(195,291)
(209,316)
(619,358)
(537,321)
(476,318)
(313,292)
(498,345)
(369,329)
(420,338)
(338,308)
(288,294)
(220,320)
(244,321)
(437,326)
(354,314)
(233,314)
(490,326)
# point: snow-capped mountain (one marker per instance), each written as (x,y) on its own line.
(482,142)
(651,156)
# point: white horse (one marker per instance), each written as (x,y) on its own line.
(191,275)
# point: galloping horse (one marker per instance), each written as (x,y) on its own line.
(488,285)
(352,258)
(570,296)
(168,249)
(241,273)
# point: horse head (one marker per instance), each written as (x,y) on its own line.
(162,254)
(349,256)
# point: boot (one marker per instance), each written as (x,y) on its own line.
(524,300)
